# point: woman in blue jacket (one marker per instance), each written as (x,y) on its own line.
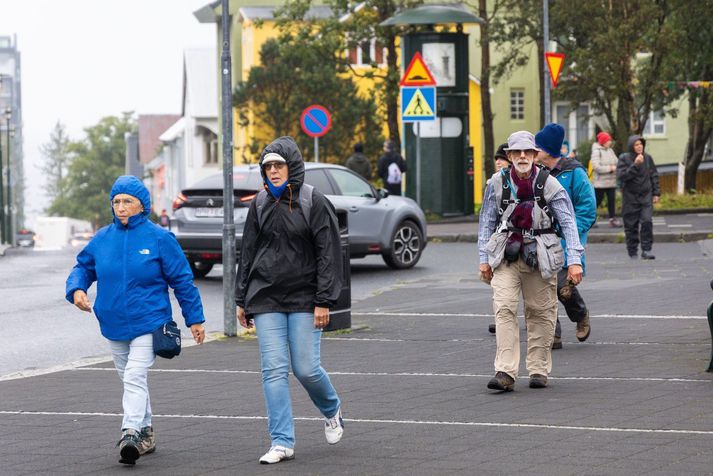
(133,262)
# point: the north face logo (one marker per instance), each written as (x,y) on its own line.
(145,251)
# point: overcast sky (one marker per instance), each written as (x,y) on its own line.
(86,59)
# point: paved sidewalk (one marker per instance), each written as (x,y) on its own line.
(667,229)
(633,399)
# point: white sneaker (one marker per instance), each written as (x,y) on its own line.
(334,428)
(277,454)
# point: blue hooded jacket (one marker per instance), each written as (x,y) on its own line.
(573,178)
(133,266)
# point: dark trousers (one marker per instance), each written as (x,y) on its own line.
(637,213)
(575,307)
(611,199)
(393,188)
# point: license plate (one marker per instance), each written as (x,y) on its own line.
(209,212)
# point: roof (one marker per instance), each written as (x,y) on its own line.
(268,13)
(433,14)
(174,131)
(200,84)
(150,127)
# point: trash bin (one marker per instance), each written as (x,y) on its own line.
(341,316)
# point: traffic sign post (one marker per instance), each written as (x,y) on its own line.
(316,122)
(418,103)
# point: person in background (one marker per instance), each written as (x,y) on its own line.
(603,163)
(391,167)
(288,279)
(501,162)
(134,262)
(358,162)
(566,152)
(640,189)
(573,178)
(163,219)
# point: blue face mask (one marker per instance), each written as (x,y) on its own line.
(276,191)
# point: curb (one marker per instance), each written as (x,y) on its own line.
(592,238)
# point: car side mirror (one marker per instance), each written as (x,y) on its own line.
(382,193)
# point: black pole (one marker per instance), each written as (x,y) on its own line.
(710,325)
(229,319)
(2,193)
(8,216)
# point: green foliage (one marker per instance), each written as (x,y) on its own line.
(670,201)
(55,153)
(584,153)
(96,162)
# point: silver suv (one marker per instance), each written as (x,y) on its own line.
(394,227)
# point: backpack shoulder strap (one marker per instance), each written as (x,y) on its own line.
(306,200)
(506,193)
(260,201)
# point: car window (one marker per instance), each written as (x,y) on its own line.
(319,180)
(351,185)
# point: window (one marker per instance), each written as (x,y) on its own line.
(656,124)
(517,104)
(366,52)
(351,185)
(318,179)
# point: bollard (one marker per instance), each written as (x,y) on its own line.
(710,325)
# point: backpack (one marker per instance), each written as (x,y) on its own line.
(505,200)
(394,176)
(306,191)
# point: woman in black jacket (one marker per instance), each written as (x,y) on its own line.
(288,279)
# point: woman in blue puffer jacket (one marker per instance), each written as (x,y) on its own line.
(134,262)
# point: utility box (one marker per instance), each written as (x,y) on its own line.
(341,316)
(446,162)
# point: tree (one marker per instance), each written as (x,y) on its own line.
(691,60)
(56,161)
(297,69)
(96,162)
(615,53)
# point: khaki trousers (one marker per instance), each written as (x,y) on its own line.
(540,296)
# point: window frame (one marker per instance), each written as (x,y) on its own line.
(517,110)
(653,121)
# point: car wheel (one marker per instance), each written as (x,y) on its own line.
(406,246)
(200,269)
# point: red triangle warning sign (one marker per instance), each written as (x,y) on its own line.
(554,64)
(417,73)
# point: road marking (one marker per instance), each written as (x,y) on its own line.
(419,374)
(380,421)
(436,314)
(683,225)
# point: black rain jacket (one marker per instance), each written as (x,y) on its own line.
(638,182)
(287,265)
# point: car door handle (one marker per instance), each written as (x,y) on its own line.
(353,209)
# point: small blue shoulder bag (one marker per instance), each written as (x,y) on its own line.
(167,340)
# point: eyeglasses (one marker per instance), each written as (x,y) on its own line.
(517,153)
(276,165)
(127,202)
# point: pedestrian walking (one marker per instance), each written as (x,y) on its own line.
(520,252)
(289,277)
(604,162)
(640,189)
(391,167)
(358,162)
(573,178)
(133,262)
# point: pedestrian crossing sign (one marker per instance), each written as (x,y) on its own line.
(418,104)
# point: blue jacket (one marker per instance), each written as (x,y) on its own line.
(573,178)
(133,266)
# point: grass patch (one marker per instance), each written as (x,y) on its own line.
(338,332)
(670,201)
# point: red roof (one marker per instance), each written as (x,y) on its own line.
(151,126)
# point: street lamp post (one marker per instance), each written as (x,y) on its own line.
(8,216)
(2,199)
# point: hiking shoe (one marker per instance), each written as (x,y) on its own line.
(614,223)
(147,444)
(491,328)
(647,255)
(502,382)
(334,428)
(557,343)
(277,454)
(583,329)
(129,446)
(538,381)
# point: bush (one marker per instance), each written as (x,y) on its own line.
(671,201)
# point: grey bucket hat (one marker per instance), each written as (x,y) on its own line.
(521,140)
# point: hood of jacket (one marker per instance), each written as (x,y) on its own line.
(131,185)
(567,163)
(632,139)
(287,148)
(598,146)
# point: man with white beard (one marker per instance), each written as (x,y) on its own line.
(525,211)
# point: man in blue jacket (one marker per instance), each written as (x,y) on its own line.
(573,177)
(134,262)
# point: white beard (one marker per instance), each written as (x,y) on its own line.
(523,169)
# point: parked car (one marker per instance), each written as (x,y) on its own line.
(81,238)
(394,227)
(25,238)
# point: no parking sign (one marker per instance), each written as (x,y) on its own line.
(316,122)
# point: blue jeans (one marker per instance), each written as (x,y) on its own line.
(132,359)
(285,338)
